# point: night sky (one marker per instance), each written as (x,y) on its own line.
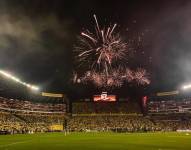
(37,39)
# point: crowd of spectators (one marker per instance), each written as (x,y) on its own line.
(31,123)
(170,105)
(27,117)
(172,122)
(114,116)
(125,123)
(118,123)
(28,123)
(18,116)
(18,105)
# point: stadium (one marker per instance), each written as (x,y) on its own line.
(95,75)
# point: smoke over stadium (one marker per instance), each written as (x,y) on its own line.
(95,74)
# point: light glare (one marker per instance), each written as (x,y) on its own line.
(5,74)
(185,87)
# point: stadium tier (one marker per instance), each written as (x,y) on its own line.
(17,116)
(106,108)
(11,123)
(169,104)
(125,123)
(119,123)
(27,106)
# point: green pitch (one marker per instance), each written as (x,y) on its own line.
(97,141)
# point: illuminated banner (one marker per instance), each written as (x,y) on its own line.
(104,97)
(52,94)
(168,93)
(144,101)
(56,127)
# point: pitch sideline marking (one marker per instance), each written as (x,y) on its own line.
(15,143)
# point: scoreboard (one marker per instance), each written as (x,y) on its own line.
(104,97)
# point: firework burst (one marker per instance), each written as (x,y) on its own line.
(141,76)
(116,77)
(102,48)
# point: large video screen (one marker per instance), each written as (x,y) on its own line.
(104,97)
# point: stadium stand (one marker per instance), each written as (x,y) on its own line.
(18,116)
(169,105)
(105,107)
(11,123)
(118,123)
(18,105)
(171,113)
(118,116)
(172,122)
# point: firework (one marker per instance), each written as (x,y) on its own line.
(141,76)
(103,51)
(101,48)
(100,79)
(116,77)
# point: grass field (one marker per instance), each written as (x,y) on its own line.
(97,141)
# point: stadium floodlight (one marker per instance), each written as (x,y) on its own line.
(185,87)
(9,76)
